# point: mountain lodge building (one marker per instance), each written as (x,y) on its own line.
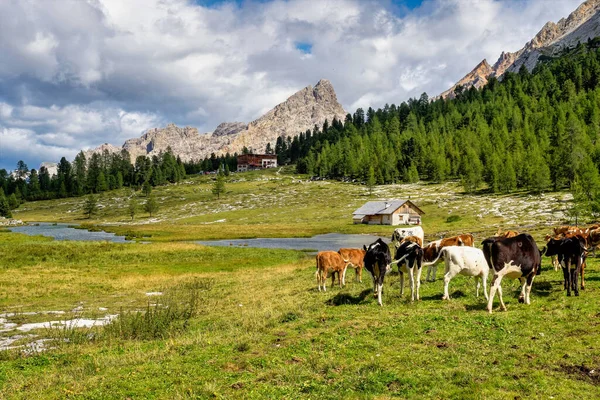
(249,162)
(388,212)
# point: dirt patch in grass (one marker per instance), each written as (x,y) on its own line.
(582,372)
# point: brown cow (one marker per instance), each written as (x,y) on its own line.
(432,250)
(506,234)
(329,261)
(561,230)
(594,239)
(414,239)
(355,259)
(553,258)
(587,237)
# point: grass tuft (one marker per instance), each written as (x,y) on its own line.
(162,320)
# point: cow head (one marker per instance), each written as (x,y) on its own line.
(553,247)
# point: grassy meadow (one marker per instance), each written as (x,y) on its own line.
(249,323)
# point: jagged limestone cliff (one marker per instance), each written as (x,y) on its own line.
(303,110)
(579,26)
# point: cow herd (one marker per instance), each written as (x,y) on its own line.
(507,254)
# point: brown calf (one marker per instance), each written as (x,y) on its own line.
(432,250)
(355,259)
(506,234)
(329,261)
(414,239)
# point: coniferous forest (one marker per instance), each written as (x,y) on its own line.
(533,131)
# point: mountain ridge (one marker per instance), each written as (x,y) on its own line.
(580,25)
(303,110)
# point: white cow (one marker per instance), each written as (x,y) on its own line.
(464,260)
(400,233)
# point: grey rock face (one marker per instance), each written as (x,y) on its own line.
(229,128)
(303,110)
(579,26)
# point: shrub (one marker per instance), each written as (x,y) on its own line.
(453,218)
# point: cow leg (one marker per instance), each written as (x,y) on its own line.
(434,272)
(447,278)
(359,273)
(582,272)
(496,287)
(575,272)
(374,287)
(569,277)
(418,271)
(379,290)
(484,277)
(566,279)
(344,277)
(522,295)
(333,278)
(411,279)
(401,283)
(528,290)
(429,270)
(502,305)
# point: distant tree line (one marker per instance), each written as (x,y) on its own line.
(213,163)
(100,173)
(534,131)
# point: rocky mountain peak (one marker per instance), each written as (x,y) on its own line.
(478,77)
(582,24)
(303,110)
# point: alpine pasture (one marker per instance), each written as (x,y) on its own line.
(236,322)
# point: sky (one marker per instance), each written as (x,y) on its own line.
(78,73)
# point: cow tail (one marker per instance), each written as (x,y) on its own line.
(426,264)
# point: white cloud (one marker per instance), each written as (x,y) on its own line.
(87,72)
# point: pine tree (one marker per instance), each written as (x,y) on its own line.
(151,205)
(4,206)
(90,206)
(507,178)
(146,189)
(371,180)
(13,202)
(101,184)
(472,171)
(219,185)
(132,208)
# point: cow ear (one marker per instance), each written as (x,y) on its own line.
(364,247)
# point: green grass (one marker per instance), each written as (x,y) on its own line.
(249,323)
(262,330)
(268,204)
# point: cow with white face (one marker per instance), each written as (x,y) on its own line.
(400,233)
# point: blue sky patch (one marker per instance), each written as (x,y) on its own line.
(304,47)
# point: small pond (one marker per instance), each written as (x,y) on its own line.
(64,232)
(330,241)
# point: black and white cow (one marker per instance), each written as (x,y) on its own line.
(378,261)
(516,257)
(400,233)
(409,257)
(571,256)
